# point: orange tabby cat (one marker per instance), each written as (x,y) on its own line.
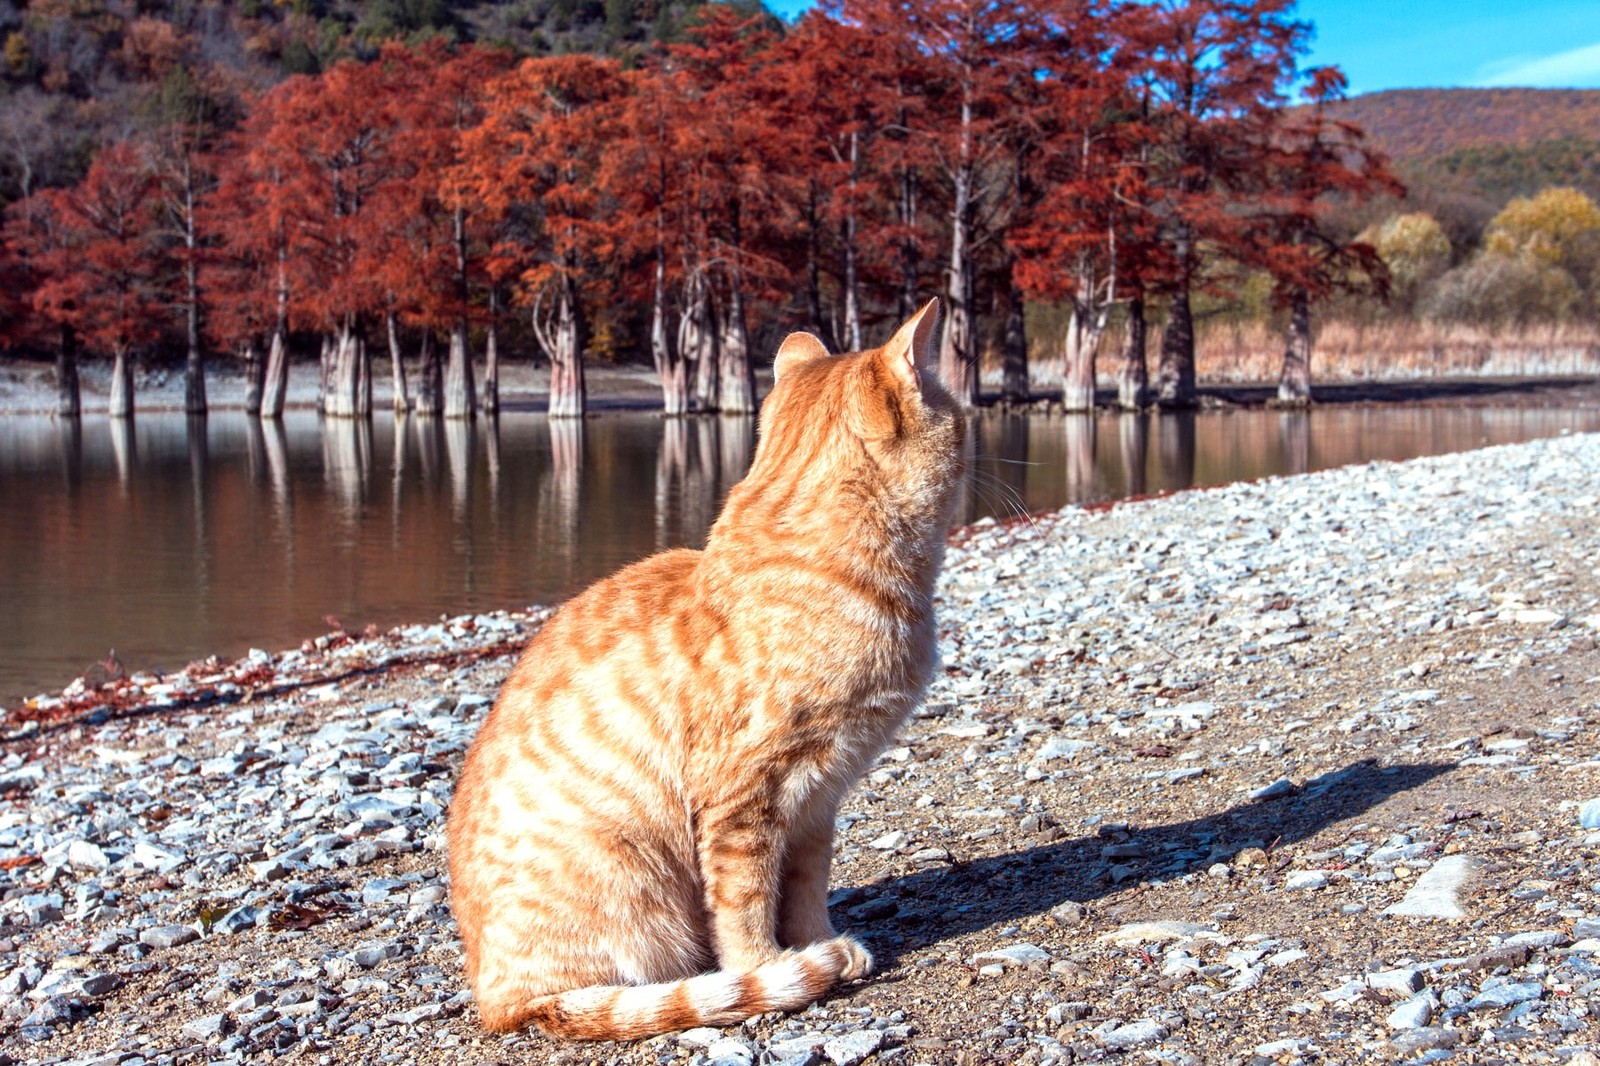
(653,795)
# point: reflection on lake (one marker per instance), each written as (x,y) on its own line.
(169,539)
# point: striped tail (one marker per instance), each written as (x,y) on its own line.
(789,982)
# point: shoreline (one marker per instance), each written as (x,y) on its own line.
(524,389)
(1185,754)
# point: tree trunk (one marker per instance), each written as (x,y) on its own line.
(121,384)
(568,396)
(430,378)
(275,379)
(69,400)
(852,284)
(491,356)
(1294,384)
(958,362)
(194,370)
(324,365)
(1133,380)
(671,367)
(460,398)
(1014,387)
(251,353)
(399,395)
(349,393)
(736,392)
(1175,384)
(698,335)
(816,322)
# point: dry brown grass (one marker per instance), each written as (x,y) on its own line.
(1352,351)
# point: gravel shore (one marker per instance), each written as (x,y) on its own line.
(1301,770)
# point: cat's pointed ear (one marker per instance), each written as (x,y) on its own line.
(915,346)
(796,348)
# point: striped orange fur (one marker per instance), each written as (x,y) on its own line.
(641,836)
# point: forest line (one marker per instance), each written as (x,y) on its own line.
(826,176)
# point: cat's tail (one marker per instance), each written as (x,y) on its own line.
(789,982)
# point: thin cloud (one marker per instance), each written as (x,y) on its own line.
(1576,68)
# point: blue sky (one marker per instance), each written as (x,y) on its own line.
(1396,44)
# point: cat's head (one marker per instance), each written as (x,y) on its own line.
(872,423)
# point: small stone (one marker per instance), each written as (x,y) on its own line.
(1538,616)
(1589,814)
(1219,870)
(168,936)
(1414,1013)
(86,855)
(1135,934)
(851,1048)
(729,1052)
(373,952)
(52,1011)
(702,1037)
(100,984)
(1302,880)
(1434,895)
(1426,1038)
(1134,1035)
(890,841)
(1506,995)
(211,1027)
(1281,787)
(1015,955)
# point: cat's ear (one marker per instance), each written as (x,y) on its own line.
(796,348)
(915,346)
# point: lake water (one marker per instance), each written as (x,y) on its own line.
(169,540)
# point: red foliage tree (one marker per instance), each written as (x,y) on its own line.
(537,154)
(1316,160)
(97,263)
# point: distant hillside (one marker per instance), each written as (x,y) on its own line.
(1414,124)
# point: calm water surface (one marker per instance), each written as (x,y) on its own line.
(170,540)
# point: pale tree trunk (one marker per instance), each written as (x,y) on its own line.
(1014,387)
(852,284)
(910,256)
(491,356)
(69,398)
(1133,378)
(399,395)
(275,378)
(460,398)
(324,367)
(349,393)
(670,365)
(736,392)
(565,344)
(1084,331)
(194,370)
(1294,384)
(958,358)
(430,378)
(250,352)
(697,342)
(121,384)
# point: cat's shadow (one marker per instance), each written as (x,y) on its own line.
(914,912)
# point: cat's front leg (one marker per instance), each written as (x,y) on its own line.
(803,903)
(740,854)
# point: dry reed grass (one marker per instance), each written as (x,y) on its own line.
(1252,352)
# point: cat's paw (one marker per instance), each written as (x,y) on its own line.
(857,959)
